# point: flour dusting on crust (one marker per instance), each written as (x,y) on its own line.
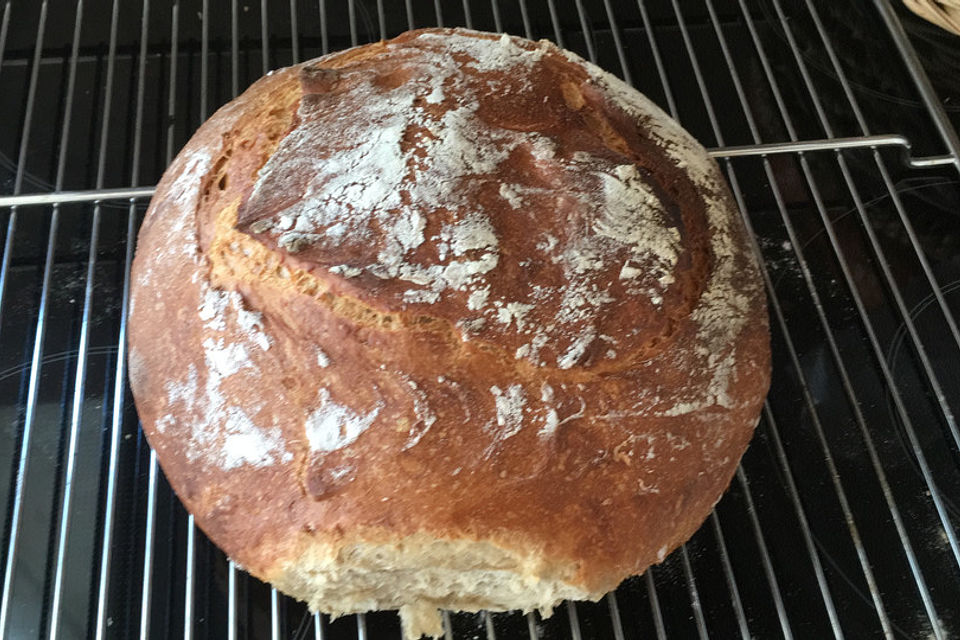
(509,404)
(724,307)
(407,191)
(223,433)
(406,194)
(333,426)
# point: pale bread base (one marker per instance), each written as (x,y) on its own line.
(420,576)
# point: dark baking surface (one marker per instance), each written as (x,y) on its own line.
(786,472)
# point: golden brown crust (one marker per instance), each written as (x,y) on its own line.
(295,389)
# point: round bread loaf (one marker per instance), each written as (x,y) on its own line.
(455,320)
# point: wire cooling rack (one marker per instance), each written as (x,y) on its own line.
(842,518)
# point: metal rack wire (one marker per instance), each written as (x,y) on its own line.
(842,518)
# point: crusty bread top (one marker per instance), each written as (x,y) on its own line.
(483,183)
(450,283)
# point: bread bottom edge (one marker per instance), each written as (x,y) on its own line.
(421,575)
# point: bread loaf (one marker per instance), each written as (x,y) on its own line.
(455,320)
